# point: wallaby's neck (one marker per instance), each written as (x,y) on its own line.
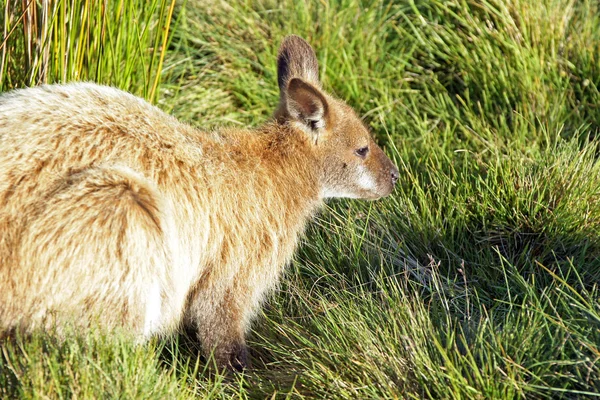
(291,162)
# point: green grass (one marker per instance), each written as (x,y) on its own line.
(477,279)
(120,43)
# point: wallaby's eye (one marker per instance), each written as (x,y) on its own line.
(362,152)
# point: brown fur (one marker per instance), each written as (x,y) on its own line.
(114,214)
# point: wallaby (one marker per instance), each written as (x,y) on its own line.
(114,214)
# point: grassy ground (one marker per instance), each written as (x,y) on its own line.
(477,279)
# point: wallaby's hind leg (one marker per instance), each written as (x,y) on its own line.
(95,254)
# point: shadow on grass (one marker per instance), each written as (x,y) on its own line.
(264,376)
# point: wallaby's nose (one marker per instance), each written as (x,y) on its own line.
(395,175)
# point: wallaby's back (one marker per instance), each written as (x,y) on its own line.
(75,161)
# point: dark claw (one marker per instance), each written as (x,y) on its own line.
(234,359)
(238,360)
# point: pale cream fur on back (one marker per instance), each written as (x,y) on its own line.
(113,212)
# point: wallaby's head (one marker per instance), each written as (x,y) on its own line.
(352,165)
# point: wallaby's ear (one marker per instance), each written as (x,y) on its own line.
(307,106)
(296,59)
(301,100)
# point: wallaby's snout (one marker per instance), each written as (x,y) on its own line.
(352,164)
(384,173)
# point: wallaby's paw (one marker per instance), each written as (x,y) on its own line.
(234,359)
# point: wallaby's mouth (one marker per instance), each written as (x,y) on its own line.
(390,189)
(377,196)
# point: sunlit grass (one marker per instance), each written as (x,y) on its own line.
(120,43)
